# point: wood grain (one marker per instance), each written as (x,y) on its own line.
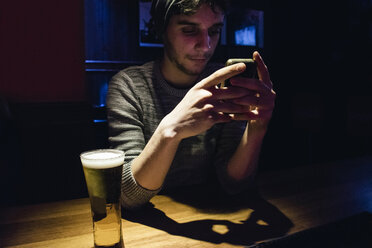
(287,201)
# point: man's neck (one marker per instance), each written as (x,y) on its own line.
(175,76)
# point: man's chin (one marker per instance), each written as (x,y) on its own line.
(197,66)
(193,70)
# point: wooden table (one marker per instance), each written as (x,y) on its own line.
(289,200)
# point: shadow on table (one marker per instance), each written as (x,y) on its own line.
(350,232)
(265,222)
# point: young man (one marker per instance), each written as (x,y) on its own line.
(176,127)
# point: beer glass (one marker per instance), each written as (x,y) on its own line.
(102,171)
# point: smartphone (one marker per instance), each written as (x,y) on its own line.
(250,71)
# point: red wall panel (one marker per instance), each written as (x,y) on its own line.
(42,50)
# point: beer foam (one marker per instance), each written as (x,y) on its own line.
(102,159)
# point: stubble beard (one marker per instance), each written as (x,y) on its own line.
(182,68)
(172,56)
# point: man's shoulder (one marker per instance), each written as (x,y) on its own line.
(144,70)
(135,79)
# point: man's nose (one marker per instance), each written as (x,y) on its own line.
(204,41)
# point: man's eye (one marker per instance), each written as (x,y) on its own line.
(189,30)
(214,31)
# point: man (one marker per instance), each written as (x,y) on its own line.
(176,127)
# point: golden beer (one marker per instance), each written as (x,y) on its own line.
(102,171)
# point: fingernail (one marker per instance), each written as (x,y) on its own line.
(259,55)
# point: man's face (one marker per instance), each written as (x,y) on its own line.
(190,41)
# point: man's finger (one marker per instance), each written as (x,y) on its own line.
(249,83)
(221,75)
(231,92)
(263,72)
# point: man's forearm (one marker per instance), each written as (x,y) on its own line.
(245,159)
(151,166)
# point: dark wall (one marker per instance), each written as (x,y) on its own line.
(320,65)
(39,151)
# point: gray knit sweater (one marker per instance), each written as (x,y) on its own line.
(138,99)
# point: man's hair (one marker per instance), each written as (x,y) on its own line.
(163,10)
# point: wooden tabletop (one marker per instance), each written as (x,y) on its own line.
(288,201)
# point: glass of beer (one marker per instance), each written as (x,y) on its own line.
(102,170)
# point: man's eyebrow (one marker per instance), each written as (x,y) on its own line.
(184,22)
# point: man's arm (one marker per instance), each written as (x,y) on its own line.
(125,115)
(244,161)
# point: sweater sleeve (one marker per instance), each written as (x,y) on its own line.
(126,132)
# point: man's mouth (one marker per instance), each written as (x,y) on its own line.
(199,59)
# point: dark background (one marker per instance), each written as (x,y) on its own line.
(57,56)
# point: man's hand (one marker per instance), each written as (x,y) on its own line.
(205,105)
(259,104)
